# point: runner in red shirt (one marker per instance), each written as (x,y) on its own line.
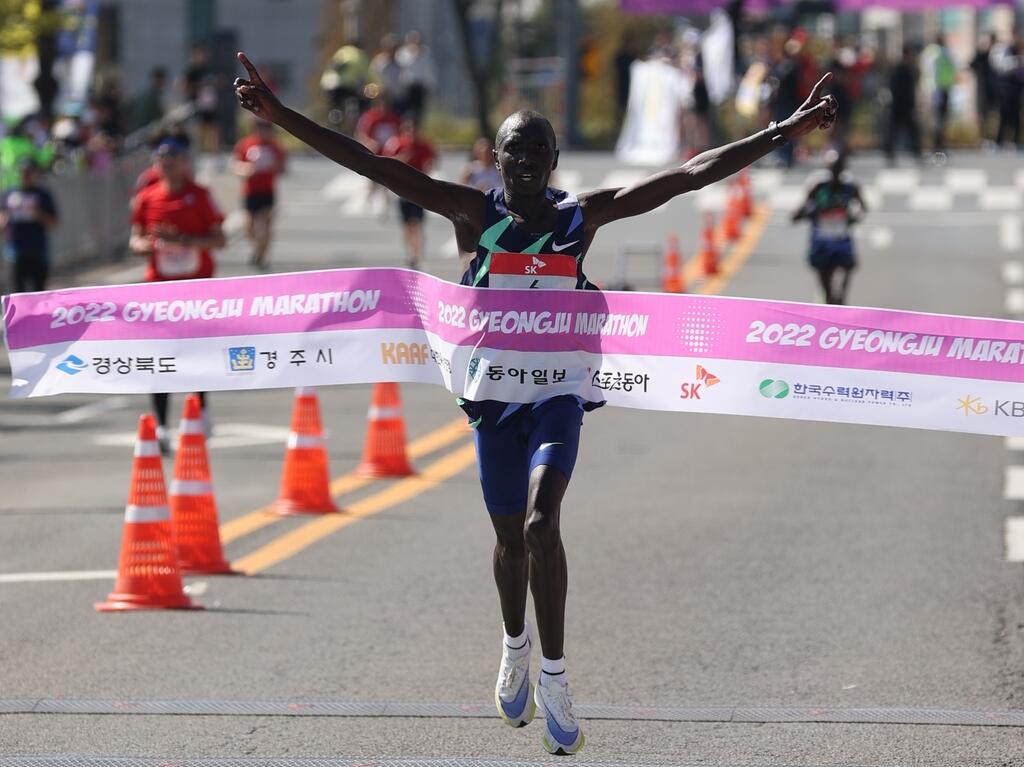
(259,159)
(152,174)
(175,224)
(376,126)
(412,149)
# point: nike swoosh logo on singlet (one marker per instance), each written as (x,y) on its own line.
(555,247)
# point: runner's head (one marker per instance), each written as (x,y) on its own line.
(836,162)
(27,171)
(171,155)
(526,152)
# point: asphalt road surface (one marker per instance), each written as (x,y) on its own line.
(742,591)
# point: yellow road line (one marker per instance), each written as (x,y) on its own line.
(291,543)
(740,253)
(431,442)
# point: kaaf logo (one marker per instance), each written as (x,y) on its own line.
(972,405)
(771,388)
(704,378)
(404,354)
(72,365)
(532,268)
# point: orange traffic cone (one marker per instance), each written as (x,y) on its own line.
(733,215)
(384,454)
(708,251)
(148,577)
(746,195)
(306,478)
(193,508)
(672,280)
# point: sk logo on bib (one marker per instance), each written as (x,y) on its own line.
(525,270)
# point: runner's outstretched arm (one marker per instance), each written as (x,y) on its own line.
(606,205)
(453,201)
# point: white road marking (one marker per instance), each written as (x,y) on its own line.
(450,249)
(65,575)
(965,180)
(1000,198)
(92,409)
(711,199)
(1015,301)
(343,186)
(879,237)
(569,180)
(1015,443)
(1009,233)
(225,435)
(787,198)
(931,198)
(1013,272)
(1014,537)
(897,180)
(872,197)
(1013,487)
(620,178)
(766,179)
(1018,179)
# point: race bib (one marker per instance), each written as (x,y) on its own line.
(833,224)
(526,270)
(174,260)
(262,159)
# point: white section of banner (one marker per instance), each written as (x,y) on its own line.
(674,383)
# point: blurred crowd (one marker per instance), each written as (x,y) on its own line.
(398,78)
(906,103)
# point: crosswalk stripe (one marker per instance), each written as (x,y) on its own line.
(1015,301)
(1009,233)
(931,198)
(963,180)
(1013,485)
(1013,272)
(1000,198)
(897,180)
(1014,537)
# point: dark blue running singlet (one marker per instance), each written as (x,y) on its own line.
(509,256)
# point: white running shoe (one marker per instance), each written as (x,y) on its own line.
(562,733)
(163,440)
(513,694)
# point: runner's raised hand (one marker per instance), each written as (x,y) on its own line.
(816,112)
(253,94)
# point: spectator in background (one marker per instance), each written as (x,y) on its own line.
(175,225)
(148,106)
(481,172)
(200,91)
(1007,65)
(378,124)
(903,106)
(27,213)
(343,82)
(624,58)
(785,85)
(985,97)
(259,159)
(414,150)
(385,70)
(417,76)
(28,140)
(943,76)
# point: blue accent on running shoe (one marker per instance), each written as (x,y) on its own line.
(563,737)
(515,708)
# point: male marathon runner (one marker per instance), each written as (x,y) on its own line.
(833,206)
(175,225)
(259,159)
(526,451)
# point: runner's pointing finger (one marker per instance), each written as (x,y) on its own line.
(254,76)
(816,90)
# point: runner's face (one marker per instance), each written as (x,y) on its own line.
(526,157)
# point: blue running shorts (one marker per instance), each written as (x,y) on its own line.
(508,452)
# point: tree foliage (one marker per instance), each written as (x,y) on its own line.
(22,22)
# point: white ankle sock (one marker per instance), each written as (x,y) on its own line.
(553,669)
(518,644)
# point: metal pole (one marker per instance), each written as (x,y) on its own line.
(567,36)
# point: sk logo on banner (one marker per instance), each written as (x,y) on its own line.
(704,378)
